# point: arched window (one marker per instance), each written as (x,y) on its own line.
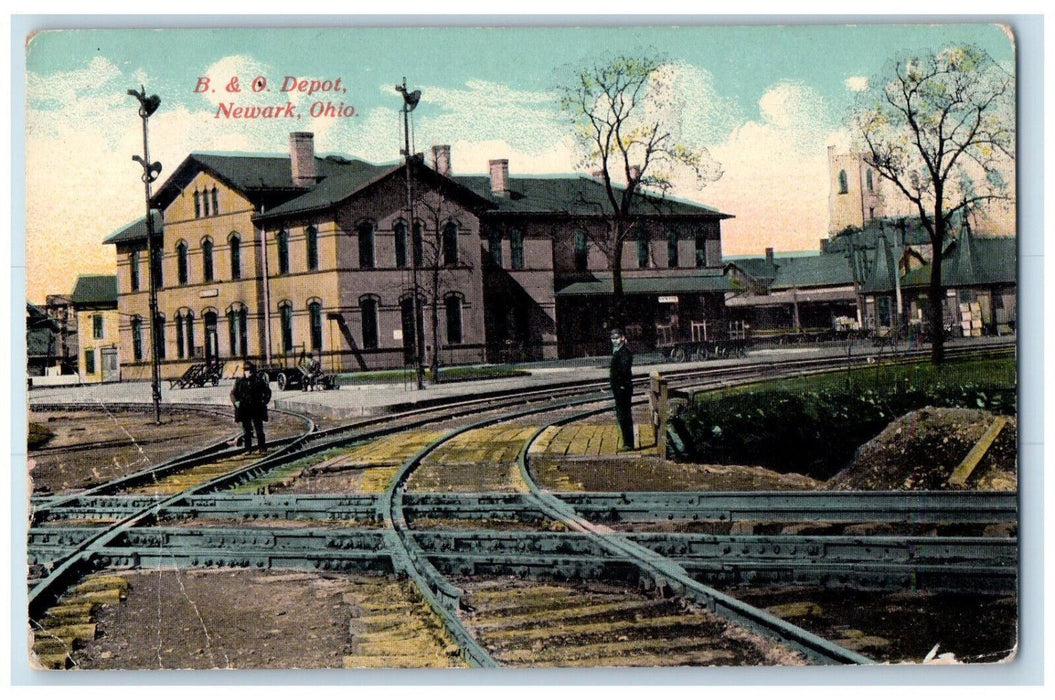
(399,234)
(365,231)
(450,244)
(672,248)
(189,335)
(206,259)
(453,307)
(516,249)
(215,202)
(205,202)
(159,335)
(844,186)
(282,243)
(642,248)
(236,256)
(494,244)
(311,244)
(159,278)
(868,181)
(237,330)
(285,312)
(582,251)
(182,267)
(133,270)
(315,324)
(179,335)
(368,310)
(197,204)
(137,338)
(419,246)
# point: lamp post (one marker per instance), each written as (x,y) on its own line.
(147,106)
(410,101)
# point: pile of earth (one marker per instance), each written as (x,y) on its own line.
(920,451)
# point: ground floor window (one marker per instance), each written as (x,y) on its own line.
(453,306)
(89,361)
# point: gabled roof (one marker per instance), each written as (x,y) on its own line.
(902,230)
(252,175)
(812,271)
(93,290)
(756,268)
(137,230)
(991,261)
(358,176)
(574,195)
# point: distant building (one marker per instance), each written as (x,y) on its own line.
(855,194)
(42,341)
(267,257)
(94,301)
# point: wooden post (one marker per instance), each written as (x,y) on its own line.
(660,410)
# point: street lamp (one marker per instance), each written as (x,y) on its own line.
(147,106)
(410,101)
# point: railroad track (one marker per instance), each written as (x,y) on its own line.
(134,530)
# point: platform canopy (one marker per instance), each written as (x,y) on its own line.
(601,285)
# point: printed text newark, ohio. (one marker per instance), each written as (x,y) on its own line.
(260,86)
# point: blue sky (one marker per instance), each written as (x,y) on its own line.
(765,100)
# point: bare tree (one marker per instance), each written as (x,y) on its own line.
(625,118)
(941,128)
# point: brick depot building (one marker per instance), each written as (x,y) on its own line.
(266,257)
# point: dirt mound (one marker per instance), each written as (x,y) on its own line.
(920,451)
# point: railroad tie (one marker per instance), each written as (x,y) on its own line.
(963,472)
(71,622)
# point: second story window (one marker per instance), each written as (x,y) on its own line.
(701,249)
(516,249)
(365,232)
(236,257)
(282,243)
(197,204)
(215,202)
(494,244)
(311,244)
(97,326)
(206,260)
(672,248)
(450,244)
(582,251)
(868,181)
(419,246)
(642,249)
(133,270)
(182,272)
(159,278)
(399,234)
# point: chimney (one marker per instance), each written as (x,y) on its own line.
(302,158)
(769,256)
(499,177)
(441,159)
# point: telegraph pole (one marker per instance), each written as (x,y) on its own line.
(147,106)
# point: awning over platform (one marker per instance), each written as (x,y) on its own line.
(788,296)
(660,285)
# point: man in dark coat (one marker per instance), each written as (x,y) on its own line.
(622,387)
(250,396)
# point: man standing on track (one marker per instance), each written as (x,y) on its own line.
(250,396)
(622,387)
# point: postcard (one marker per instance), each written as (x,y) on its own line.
(684,346)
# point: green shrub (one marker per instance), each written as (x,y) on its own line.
(39,435)
(813,432)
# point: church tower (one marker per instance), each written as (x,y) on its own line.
(854,197)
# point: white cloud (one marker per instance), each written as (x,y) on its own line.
(856,83)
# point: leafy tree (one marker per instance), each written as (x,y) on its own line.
(625,117)
(941,128)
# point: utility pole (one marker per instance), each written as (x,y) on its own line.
(147,106)
(410,101)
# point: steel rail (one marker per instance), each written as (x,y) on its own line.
(906,507)
(667,575)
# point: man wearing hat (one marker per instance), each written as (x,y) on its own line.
(622,387)
(250,395)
